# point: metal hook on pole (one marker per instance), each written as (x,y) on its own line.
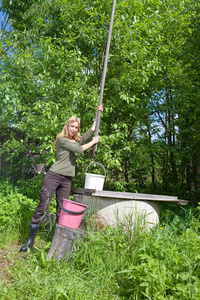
(104,74)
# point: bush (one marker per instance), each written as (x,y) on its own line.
(16,209)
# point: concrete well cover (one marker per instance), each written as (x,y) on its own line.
(127,213)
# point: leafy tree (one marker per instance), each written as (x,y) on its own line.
(52,59)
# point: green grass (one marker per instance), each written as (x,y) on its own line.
(163,263)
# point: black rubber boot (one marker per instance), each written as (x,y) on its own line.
(32,234)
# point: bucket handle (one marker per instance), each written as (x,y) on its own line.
(97,163)
(72,212)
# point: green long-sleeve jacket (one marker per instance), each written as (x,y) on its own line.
(67,153)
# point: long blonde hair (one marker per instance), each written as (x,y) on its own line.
(65,132)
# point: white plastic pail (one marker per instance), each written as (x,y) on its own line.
(94,181)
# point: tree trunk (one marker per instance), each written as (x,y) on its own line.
(64,241)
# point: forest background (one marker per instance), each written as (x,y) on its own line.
(51,68)
(51,55)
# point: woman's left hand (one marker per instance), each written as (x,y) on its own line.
(100,107)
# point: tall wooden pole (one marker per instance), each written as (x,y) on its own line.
(104,74)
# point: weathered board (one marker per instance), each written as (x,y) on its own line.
(131,196)
(84,191)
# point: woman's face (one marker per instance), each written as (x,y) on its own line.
(73,129)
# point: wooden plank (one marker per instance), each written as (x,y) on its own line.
(134,196)
(183,202)
(84,191)
(131,196)
(152,197)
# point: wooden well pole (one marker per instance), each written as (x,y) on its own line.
(104,74)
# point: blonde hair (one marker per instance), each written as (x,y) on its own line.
(65,132)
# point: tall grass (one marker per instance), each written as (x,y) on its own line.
(161,263)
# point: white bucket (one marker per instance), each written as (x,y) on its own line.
(94,181)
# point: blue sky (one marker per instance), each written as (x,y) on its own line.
(1,14)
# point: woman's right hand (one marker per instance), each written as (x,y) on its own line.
(95,139)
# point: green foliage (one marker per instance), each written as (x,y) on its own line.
(16,209)
(52,67)
(31,187)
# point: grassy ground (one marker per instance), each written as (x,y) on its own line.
(163,263)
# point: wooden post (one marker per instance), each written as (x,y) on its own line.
(104,73)
(64,241)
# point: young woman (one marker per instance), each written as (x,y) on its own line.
(58,179)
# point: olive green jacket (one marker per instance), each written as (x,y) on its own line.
(67,152)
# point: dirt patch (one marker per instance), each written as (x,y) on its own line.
(8,258)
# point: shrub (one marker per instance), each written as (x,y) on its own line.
(15,208)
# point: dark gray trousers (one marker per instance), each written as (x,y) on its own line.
(52,183)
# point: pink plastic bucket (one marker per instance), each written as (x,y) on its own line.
(71,213)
